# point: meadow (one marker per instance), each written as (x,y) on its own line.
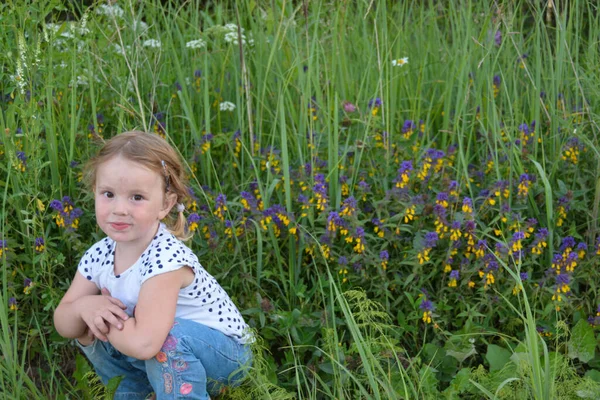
(402,198)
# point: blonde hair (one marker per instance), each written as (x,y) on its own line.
(156,154)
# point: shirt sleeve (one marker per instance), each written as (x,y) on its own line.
(90,262)
(167,254)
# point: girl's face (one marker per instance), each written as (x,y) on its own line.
(130,202)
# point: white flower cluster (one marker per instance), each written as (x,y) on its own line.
(226,106)
(153,43)
(110,10)
(120,50)
(139,27)
(232,35)
(195,44)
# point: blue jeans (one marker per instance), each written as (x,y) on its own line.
(194,361)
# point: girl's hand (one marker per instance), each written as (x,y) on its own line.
(99,312)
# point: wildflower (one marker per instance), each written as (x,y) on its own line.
(67,216)
(343,262)
(431,239)
(480,248)
(152,43)
(442,199)
(571,150)
(193,220)
(524,185)
(562,209)
(441,224)
(562,286)
(455,232)
(467,206)
(384,256)
(375,104)
(158,125)
(527,132)
(313,108)
(22,158)
(110,10)
(359,247)
(540,243)
(498,38)
(348,107)
(320,190)
(349,207)
(12,304)
(226,106)
(195,44)
(581,249)
(410,212)
(305,204)
(3,246)
(401,62)
(379,229)
(516,243)
(205,142)
(454,276)
(427,307)
(27,286)
(403,174)
(333,222)
(496,84)
(408,128)
(39,244)
(221,206)
(433,158)
(364,188)
(521,60)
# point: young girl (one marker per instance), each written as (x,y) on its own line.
(141,306)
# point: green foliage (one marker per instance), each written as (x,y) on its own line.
(393,228)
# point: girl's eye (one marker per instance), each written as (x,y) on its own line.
(138,197)
(108,195)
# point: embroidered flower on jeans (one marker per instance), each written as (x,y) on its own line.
(186,388)
(179,365)
(161,357)
(168,382)
(170,343)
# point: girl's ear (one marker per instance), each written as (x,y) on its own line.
(170,200)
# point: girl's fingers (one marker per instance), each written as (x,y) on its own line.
(119,313)
(117,302)
(100,324)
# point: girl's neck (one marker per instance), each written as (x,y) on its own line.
(127,254)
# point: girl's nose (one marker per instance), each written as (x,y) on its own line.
(120,207)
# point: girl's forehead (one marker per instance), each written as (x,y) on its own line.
(119,166)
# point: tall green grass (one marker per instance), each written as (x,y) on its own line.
(331,341)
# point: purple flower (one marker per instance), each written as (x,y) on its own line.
(498,38)
(376,102)
(193,218)
(348,107)
(426,305)
(343,260)
(384,255)
(408,126)
(524,276)
(567,242)
(454,274)
(431,239)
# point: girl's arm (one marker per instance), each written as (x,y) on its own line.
(143,336)
(83,307)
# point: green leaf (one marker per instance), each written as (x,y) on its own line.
(462,354)
(582,344)
(593,374)
(497,357)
